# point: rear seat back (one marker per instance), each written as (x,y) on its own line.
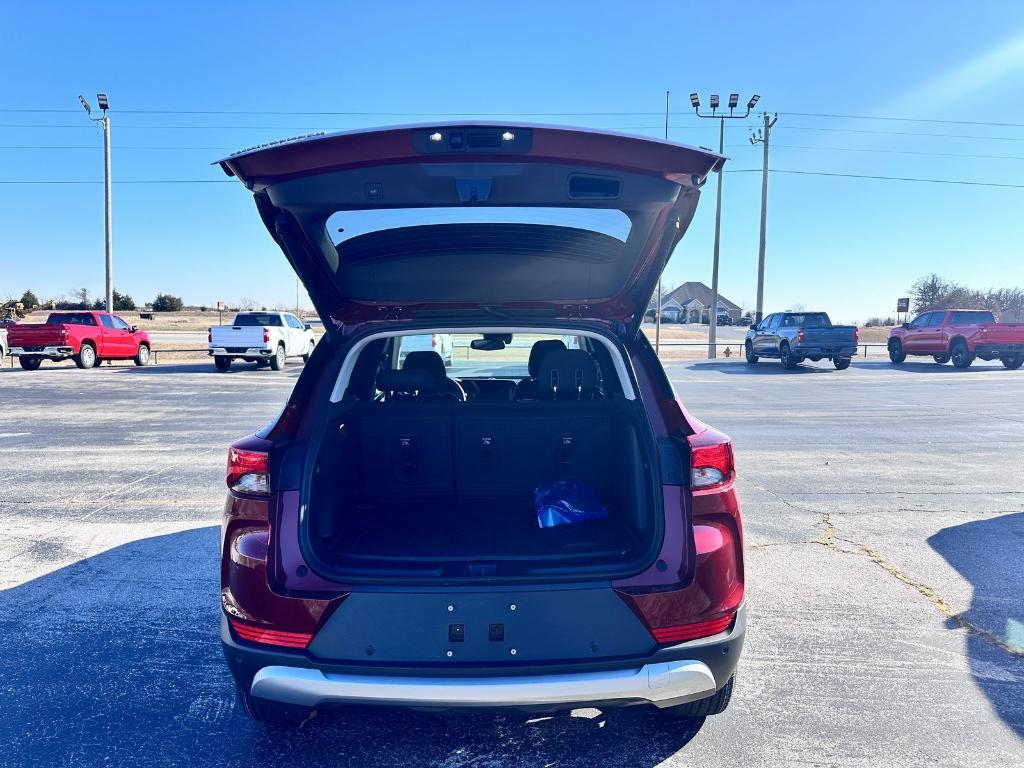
(405,449)
(511,448)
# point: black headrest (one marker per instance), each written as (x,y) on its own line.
(428,362)
(539,350)
(568,374)
(406,382)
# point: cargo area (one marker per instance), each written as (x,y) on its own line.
(419,479)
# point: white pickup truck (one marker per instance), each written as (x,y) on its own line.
(264,338)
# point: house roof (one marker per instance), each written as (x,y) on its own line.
(688,292)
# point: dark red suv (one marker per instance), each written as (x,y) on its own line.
(536,523)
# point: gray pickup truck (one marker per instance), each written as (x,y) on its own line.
(797,336)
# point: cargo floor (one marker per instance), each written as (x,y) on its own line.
(472,529)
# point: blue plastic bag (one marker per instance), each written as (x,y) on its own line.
(566,502)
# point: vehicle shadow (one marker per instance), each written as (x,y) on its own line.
(986,552)
(762,368)
(179,368)
(116,660)
(927,366)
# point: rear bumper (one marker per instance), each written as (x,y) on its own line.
(42,351)
(668,676)
(843,350)
(990,351)
(240,352)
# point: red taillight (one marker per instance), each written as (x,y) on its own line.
(209,335)
(681,632)
(856,335)
(248,471)
(799,335)
(266,335)
(264,636)
(711,460)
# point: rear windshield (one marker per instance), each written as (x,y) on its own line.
(973,316)
(71,318)
(511,360)
(344,225)
(258,318)
(808,320)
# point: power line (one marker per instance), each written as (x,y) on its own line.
(118,181)
(605,113)
(892,151)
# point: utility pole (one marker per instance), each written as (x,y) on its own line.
(657,310)
(763,136)
(104,105)
(733,102)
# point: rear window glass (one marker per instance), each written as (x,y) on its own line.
(258,318)
(71,318)
(462,360)
(344,225)
(809,320)
(967,318)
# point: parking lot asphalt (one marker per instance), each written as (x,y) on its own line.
(884,513)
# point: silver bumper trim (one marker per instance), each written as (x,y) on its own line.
(44,352)
(662,684)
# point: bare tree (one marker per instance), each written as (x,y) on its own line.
(247,303)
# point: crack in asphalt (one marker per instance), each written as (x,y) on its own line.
(829,540)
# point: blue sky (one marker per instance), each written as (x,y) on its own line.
(847,245)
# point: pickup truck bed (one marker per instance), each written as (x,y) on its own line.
(793,337)
(960,336)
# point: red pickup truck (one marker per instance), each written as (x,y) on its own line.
(959,335)
(88,338)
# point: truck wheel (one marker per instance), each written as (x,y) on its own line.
(748,350)
(278,360)
(86,357)
(30,363)
(712,705)
(960,356)
(1013,362)
(841,363)
(941,359)
(142,356)
(223,363)
(789,360)
(271,712)
(309,352)
(896,353)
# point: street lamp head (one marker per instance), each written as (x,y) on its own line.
(101,99)
(88,109)
(695,100)
(714,101)
(734,99)
(753,101)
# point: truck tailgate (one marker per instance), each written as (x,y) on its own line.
(237,336)
(37,335)
(1001,333)
(836,336)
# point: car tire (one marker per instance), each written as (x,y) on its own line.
(1013,362)
(748,350)
(86,357)
(271,712)
(278,360)
(309,353)
(960,355)
(896,352)
(941,359)
(789,360)
(712,705)
(841,363)
(142,356)
(30,363)
(222,363)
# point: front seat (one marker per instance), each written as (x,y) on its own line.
(431,363)
(527,389)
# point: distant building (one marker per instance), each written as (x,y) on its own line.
(690,303)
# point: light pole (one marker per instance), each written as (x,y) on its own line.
(734,99)
(104,105)
(762,136)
